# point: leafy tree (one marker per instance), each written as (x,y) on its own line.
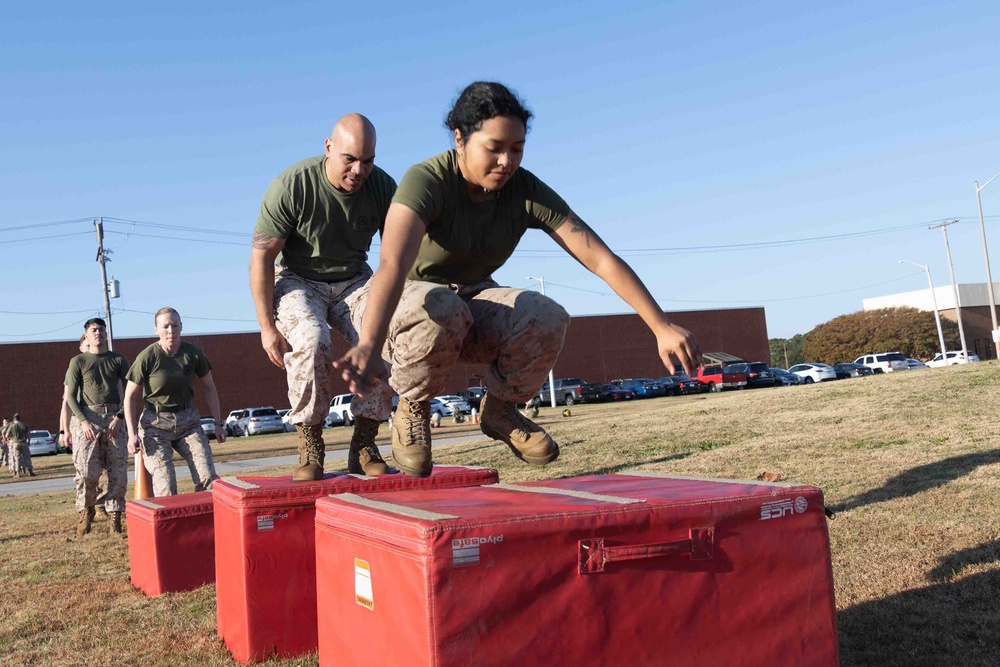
(907,330)
(792,346)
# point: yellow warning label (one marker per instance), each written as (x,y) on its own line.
(363,584)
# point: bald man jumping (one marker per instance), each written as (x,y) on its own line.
(316,225)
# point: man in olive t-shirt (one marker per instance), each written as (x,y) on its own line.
(18,435)
(316,222)
(95,382)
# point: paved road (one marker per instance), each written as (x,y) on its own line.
(223,468)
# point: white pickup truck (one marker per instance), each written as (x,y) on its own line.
(340,411)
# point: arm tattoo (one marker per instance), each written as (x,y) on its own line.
(262,241)
(579,226)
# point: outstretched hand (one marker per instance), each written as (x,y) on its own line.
(361,368)
(677,345)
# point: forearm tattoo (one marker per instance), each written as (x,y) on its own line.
(578,226)
(262,241)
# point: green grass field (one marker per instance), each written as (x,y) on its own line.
(910,462)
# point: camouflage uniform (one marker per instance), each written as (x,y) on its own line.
(164,432)
(4,456)
(20,454)
(91,458)
(305,312)
(518,333)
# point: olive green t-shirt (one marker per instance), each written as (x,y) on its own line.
(17,432)
(327,232)
(93,380)
(465,241)
(167,381)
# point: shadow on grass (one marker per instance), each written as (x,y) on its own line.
(926,626)
(952,565)
(631,465)
(921,478)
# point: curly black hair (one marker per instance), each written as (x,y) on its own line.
(481,101)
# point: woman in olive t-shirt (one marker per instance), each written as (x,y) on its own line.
(455,219)
(163,376)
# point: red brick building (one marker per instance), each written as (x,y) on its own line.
(597,348)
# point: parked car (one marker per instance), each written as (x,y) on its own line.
(951,358)
(258,421)
(715,379)
(41,442)
(680,383)
(758,373)
(289,426)
(208,426)
(599,392)
(473,396)
(849,369)
(785,378)
(340,412)
(568,391)
(883,362)
(455,404)
(642,387)
(916,364)
(811,373)
(231,420)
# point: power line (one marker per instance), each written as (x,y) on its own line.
(43,238)
(178,238)
(159,225)
(191,317)
(42,333)
(45,224)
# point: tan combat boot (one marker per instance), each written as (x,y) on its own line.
(528,440)
(101,511)
(312,452)
(116,523)
(85,522)
(411,437)
(364,457)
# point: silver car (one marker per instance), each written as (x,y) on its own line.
(260,420)
(41,442)
(455,404)
(208,426)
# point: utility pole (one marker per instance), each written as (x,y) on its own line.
(784,344)
(102,259)
(954,285)
(552,382)
(989,277)
(937,315)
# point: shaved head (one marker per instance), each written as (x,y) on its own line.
(350,152)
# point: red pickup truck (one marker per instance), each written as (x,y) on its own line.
(715,380)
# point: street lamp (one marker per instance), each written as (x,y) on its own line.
(986,255)
(937,315)
(954,284)
(552,382)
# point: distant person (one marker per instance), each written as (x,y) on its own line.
(18,436)
(317,221)
(4,450)
(455,219)
(66,438)
(95,384)
(163,376)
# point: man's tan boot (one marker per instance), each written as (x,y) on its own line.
(85,522)
(364,457)
(529,441)
(101,511)
(411,437)
(116,523)
(312,452)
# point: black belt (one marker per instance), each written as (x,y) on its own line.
(172,410)
(104,408)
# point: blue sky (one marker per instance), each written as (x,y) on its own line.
(666,126)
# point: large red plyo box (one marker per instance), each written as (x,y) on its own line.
(266,560)
(171,542)
(627,569)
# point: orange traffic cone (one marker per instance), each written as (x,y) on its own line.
(143,480)
(475,416)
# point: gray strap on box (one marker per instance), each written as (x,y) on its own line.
(568,492)
(392,507)
(235,481)
(646,473)
(150,505)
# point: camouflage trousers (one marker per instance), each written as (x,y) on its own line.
(20,458)
(4,455)
(107,455)
(305,312)
(517,333)
(163,433)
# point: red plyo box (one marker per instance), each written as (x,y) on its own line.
(628,569)
(266,560)
(171,542)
